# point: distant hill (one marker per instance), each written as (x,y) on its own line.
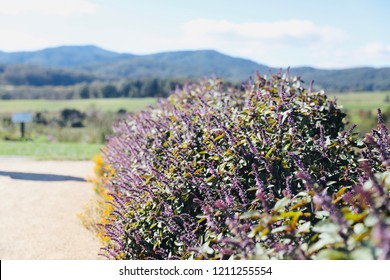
(353,79)
(75,64)
(181,64)
(64,56)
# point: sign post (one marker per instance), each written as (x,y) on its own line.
(22,118)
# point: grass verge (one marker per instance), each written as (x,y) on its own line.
(361,107)
(49,151)
(102,104)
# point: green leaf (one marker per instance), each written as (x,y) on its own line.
(304,227)
(325,239)
(206,249)
(219,137)
(322,214)
(153,226)
(371,220)
(270,152)
(326,227)
(260,252)
(328,254)
(281,204)
(177,243)
(359,228)
(303,194)
(250,215)
(362,253)
(279,229)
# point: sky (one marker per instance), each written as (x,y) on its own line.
(328,34)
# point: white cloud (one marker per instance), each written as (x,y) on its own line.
(13,40)
(291,32)
(375,54)
(277,43)
(376,49)
(47,7)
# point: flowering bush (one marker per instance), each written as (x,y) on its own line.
(271,172)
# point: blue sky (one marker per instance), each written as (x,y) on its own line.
(278,33)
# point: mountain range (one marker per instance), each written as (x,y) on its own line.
(68,65)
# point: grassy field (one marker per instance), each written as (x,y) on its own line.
(353,103)
(361,107)
(59,150)
(49,151)
(363,100)
(108,104)
(350,101)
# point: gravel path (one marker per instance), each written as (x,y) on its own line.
(39,203)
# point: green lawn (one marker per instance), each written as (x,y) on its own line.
(49,151)
(352,103)
(361,108)
(108,104)
(59,150)
(362,100)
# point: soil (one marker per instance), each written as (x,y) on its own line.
(39,203)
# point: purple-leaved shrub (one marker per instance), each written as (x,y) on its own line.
(268,172)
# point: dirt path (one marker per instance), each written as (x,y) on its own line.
(39,203)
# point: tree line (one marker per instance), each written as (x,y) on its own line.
(97,89)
